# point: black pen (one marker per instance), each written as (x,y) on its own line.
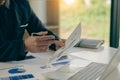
(37,34)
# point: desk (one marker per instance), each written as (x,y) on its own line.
(101,55)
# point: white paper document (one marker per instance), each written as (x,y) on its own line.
(73,39)
(8,65)
(68,70)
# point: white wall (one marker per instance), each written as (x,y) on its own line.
(39,7)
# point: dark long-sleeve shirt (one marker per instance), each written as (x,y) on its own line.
(14,19)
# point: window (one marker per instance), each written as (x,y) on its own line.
(94,16)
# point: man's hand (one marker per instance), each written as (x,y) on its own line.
(39,43)
(60,43)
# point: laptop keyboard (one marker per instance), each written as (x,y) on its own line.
(90,72)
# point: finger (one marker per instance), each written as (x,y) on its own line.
(49,42)
(42,38)
(43,33)
(43,48)
(39,33)
(63,40)
(59,46)
(40,50)
(59,43)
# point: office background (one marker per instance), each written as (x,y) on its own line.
(62,16)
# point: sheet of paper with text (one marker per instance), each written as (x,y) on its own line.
(73,39)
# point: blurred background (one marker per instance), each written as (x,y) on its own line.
(62,16)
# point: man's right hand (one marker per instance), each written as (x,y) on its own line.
(39,43)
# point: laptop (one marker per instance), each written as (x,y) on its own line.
(93,71)
(114,62)
(98,71)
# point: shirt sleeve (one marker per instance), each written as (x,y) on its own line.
(35,25)
(11,50)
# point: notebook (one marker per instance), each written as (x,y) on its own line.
(89,43)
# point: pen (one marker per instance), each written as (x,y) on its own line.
(61,63)
(36,34)
(55,64)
